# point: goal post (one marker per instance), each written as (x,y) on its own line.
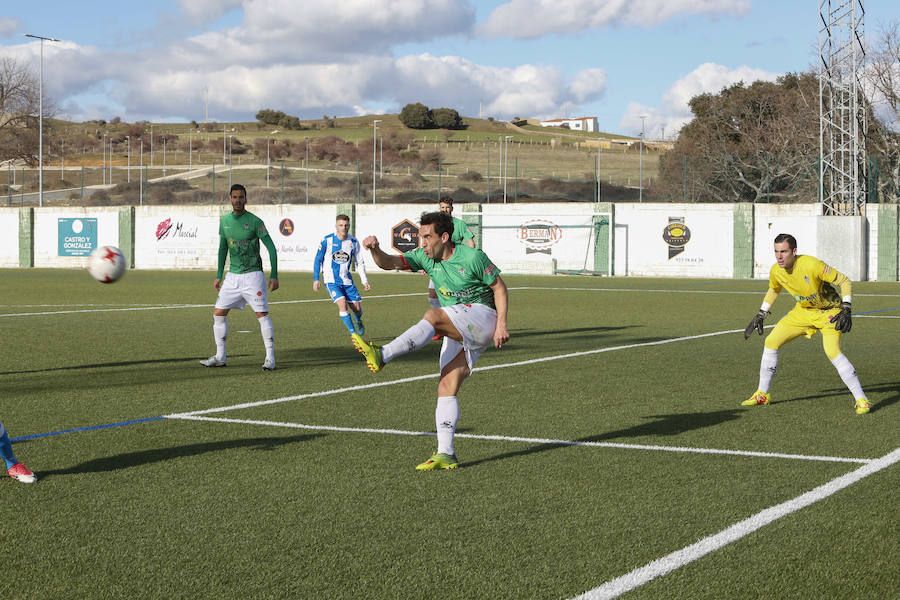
(538,242)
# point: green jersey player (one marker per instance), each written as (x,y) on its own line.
(240,233)
(472,315)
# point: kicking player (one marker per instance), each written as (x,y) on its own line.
(240,233)
(461,235)
(471,317)
(819,308)
(337,252)
(14,468)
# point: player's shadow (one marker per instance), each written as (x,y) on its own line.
(145,457)
(880,388)
(675,424)
(524,333)
(325,356)
(124,363)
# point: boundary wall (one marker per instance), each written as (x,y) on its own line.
(623,239)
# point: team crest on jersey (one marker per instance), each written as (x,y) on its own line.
(247,226)
(462,270)
(676,235)
(340,257)
(806,278)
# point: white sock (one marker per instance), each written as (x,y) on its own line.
(268,336)
(413,338)
(220,333)
(767,366)
(848,374)
(434,302)
(446,415)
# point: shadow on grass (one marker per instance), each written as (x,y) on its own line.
(520,333)
(145,457)
(842,392)
(661,425)
(124,363)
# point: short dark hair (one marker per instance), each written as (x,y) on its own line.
(342,218)
(443,223)
(238,186)
(446,200)
(786,237)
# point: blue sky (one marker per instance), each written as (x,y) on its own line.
(615,59)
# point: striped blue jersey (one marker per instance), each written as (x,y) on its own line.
(334,258)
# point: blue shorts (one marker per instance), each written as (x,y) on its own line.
(338,290)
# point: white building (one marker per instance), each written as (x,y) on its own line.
(579,124)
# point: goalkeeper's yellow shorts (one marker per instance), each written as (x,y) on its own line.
(807,321)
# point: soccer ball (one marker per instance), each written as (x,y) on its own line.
(106,264)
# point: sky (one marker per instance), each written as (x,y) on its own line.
(618,60)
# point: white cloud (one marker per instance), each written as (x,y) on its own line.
(207,11)
(535,18)
(9,26)
(673,112)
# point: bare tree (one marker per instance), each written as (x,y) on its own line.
(19,107)
(883,77)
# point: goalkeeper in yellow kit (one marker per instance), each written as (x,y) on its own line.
(819,307)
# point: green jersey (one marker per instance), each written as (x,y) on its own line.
(464,278)
(461,232)
(240,235)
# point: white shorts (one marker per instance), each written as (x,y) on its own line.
(239,290)
(476,323)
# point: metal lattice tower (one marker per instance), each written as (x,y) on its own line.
(842,114)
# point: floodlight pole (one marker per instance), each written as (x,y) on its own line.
(641,168)
(307,170)
(190,149)
(374,154)
(128,171)
(151,145)
(267,162)
(103,168)
(141,173)
(506,166)
(164,156)
(41,119)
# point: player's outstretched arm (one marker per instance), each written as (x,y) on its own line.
(501,302)
(381,258)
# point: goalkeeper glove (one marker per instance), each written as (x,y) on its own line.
(756,323)
(842,320)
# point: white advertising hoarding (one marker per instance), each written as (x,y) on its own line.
(676,240)
(9,237)
(296,231)
(64,237)
(176,237)
(799,220)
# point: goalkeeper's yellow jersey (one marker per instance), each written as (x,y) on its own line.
(811,282)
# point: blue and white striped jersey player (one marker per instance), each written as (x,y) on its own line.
(336,254)
(472,316)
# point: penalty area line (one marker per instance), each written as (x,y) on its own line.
(662,566)
(524,440)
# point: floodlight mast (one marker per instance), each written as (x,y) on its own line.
(41,117)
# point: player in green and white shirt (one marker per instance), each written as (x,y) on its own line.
(461,235)
(240,233)
(472,315)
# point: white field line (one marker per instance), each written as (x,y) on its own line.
(435,375)
(661,566)
(524,440)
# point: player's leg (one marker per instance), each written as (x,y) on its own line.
(831,342)
(786,330)
(446,412)
(14,468)
(356,307)
(229,297)
(255,292)
(412,339)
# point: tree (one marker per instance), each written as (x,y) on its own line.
(416,116)
(748,144)
(883,77)
(19,107)
(269,116)
(446,118)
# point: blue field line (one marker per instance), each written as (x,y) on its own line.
(92,427)
(869,312)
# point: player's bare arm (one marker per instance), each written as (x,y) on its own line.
(381,258)
(501,302)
